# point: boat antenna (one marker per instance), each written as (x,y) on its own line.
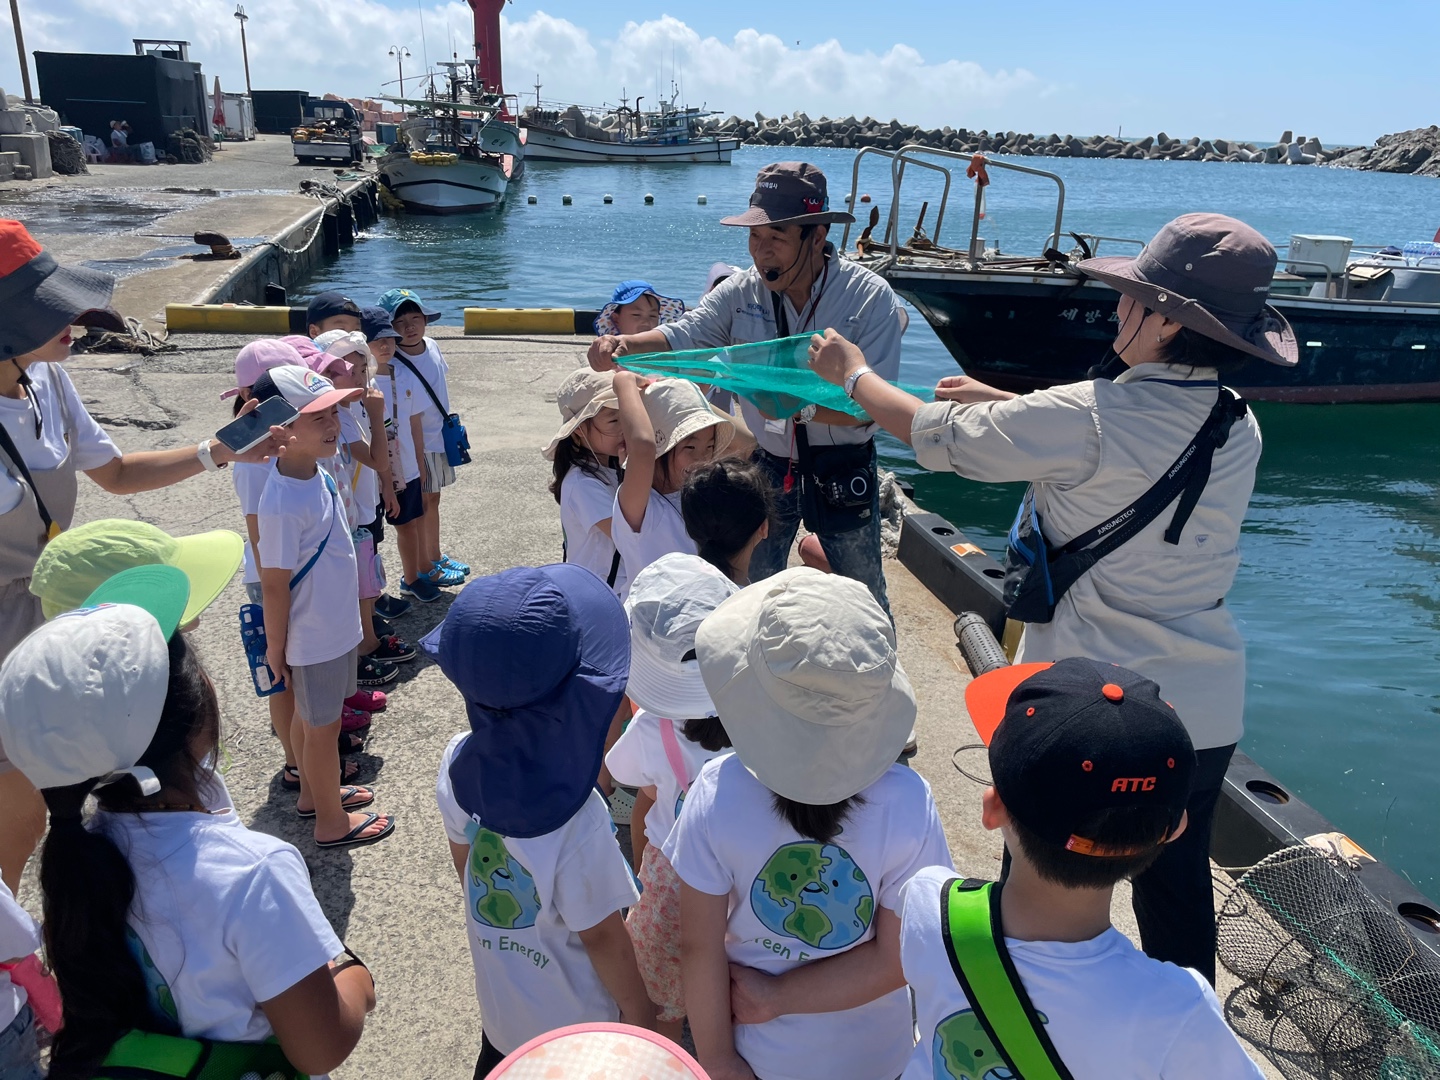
(537,91)
(424,51)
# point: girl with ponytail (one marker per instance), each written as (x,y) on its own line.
(727,506)
(163,913)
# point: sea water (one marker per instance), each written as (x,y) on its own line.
(1337,596)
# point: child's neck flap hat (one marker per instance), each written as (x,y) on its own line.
(582,395)
(1075,737)
(259,357)
(668,601)
(677,409)
(599,1051)
(394,299)
(541,656)
(803,672)
(627,292)
(82,696)
(41,298)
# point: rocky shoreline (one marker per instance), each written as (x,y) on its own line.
(1416,151)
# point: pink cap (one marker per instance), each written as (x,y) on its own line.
(260,356)
(309,391)
(599,1051)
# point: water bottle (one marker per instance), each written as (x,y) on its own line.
(1421,252)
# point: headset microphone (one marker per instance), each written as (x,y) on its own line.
(772,275)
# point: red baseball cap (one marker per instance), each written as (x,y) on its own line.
(1075,737)
(41,298)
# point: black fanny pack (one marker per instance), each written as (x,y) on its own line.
(1036,578)
(839,491)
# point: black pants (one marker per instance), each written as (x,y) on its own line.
(489,1058)
(1174,900)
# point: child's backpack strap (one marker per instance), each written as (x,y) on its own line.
(672,754)
(975,944)
(144,1055)
(334,509)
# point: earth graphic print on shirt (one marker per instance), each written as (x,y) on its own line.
(815,893)
(501,892)
(962,1051)
(157,990)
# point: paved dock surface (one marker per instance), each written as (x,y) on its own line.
(136,221)
(399,903)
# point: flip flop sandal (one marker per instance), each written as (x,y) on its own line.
(350,742)
(351,770)
(353,837)
(348,800)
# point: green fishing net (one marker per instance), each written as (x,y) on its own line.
(774,376)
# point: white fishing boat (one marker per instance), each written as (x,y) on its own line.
(669,135)
(459,152)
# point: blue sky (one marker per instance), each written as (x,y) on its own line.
(1342,71)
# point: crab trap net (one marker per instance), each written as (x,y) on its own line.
(1332,984)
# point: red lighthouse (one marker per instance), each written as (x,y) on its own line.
(487,42)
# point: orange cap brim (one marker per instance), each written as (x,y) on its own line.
(987,696)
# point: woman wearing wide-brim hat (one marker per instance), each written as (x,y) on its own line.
(1192,308)
(46,439)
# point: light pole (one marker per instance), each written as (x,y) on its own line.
(401,54)
(244,50)
(20,44)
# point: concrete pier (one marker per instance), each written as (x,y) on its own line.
(137,221)
(399,904)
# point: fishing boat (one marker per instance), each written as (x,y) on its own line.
(1366,317)
(669,135)
(459,152)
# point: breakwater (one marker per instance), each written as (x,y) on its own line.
(850,133)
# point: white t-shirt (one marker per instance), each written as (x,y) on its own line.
(224,919)
(399,408)
(525,911)
(430,363)
(364,481)
(585,501)
(250,478)
(1109,1009)
(638,759)
(89,445)
(793,900)
(662,532)
(19,937)
(325,607)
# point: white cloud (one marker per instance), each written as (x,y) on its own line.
(322,46)
(753,72)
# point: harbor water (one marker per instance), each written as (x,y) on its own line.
(1337,597)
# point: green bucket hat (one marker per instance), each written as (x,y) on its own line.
(163,591)
(80,560)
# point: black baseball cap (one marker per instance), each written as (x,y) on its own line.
(329,304)
(789,193)
(375,324)
(1073,737)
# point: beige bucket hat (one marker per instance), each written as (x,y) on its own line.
(803,672)
(583,394)
(677,410)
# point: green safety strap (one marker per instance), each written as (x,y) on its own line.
(975,944)
(145,1055)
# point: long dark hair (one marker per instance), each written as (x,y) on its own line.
(88,885)
(571,454)
(723,503)
(819,823)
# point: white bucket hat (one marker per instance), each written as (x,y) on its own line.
(668,601)
(803,672)
(81,697)
(582,395)
(677,410)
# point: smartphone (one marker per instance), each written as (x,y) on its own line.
(254,426)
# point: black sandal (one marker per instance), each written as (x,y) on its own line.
(348,772)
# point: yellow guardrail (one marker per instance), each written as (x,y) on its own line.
(500,321)
(228,319)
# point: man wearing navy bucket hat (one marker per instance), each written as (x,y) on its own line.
(822,462)
(541,657)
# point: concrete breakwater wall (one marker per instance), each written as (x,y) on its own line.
(850,133)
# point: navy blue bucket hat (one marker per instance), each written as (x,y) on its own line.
(541,656)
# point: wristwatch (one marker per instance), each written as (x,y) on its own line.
(808,413)
(854,377)
(206,460)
